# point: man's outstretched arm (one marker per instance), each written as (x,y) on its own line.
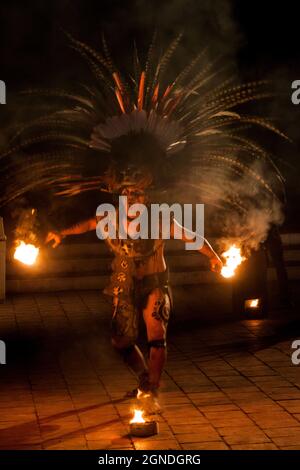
(206,249)
(77,229)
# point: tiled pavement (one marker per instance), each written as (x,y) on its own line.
(229,386)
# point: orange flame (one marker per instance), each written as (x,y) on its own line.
(233,259)
(26,253)
(254,303)
(137,417)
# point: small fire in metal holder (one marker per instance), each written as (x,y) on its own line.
(140,427)
(253,307)
(26,253)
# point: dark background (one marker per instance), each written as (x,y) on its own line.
(261,37)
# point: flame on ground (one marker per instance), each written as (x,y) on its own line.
(137,417)
(254,303)
(233,259)
(26,253)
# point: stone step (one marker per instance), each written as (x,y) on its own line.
(48,266)
(80,282)
(86,266)
(86,282)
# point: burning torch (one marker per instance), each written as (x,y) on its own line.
(233,258)
(26,245)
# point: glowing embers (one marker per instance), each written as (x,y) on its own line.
(140,427)
(137,417)
(252,303)
(26,253)
(253,306)
(233,259)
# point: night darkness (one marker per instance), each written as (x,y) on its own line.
(104,319)
(261,38)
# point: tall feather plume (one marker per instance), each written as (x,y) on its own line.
(196,121)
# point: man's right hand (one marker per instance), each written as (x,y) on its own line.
(56,237)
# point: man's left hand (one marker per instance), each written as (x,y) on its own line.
(216,264)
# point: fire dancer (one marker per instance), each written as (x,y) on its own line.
(140,131)
(139,285)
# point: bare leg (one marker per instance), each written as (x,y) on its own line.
(131,353)
(156,314)
(124,334)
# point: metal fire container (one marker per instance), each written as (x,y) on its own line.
(146,429)
(250,291)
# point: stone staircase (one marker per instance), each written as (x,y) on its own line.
(85,265)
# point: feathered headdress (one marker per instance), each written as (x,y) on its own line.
(145,129)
